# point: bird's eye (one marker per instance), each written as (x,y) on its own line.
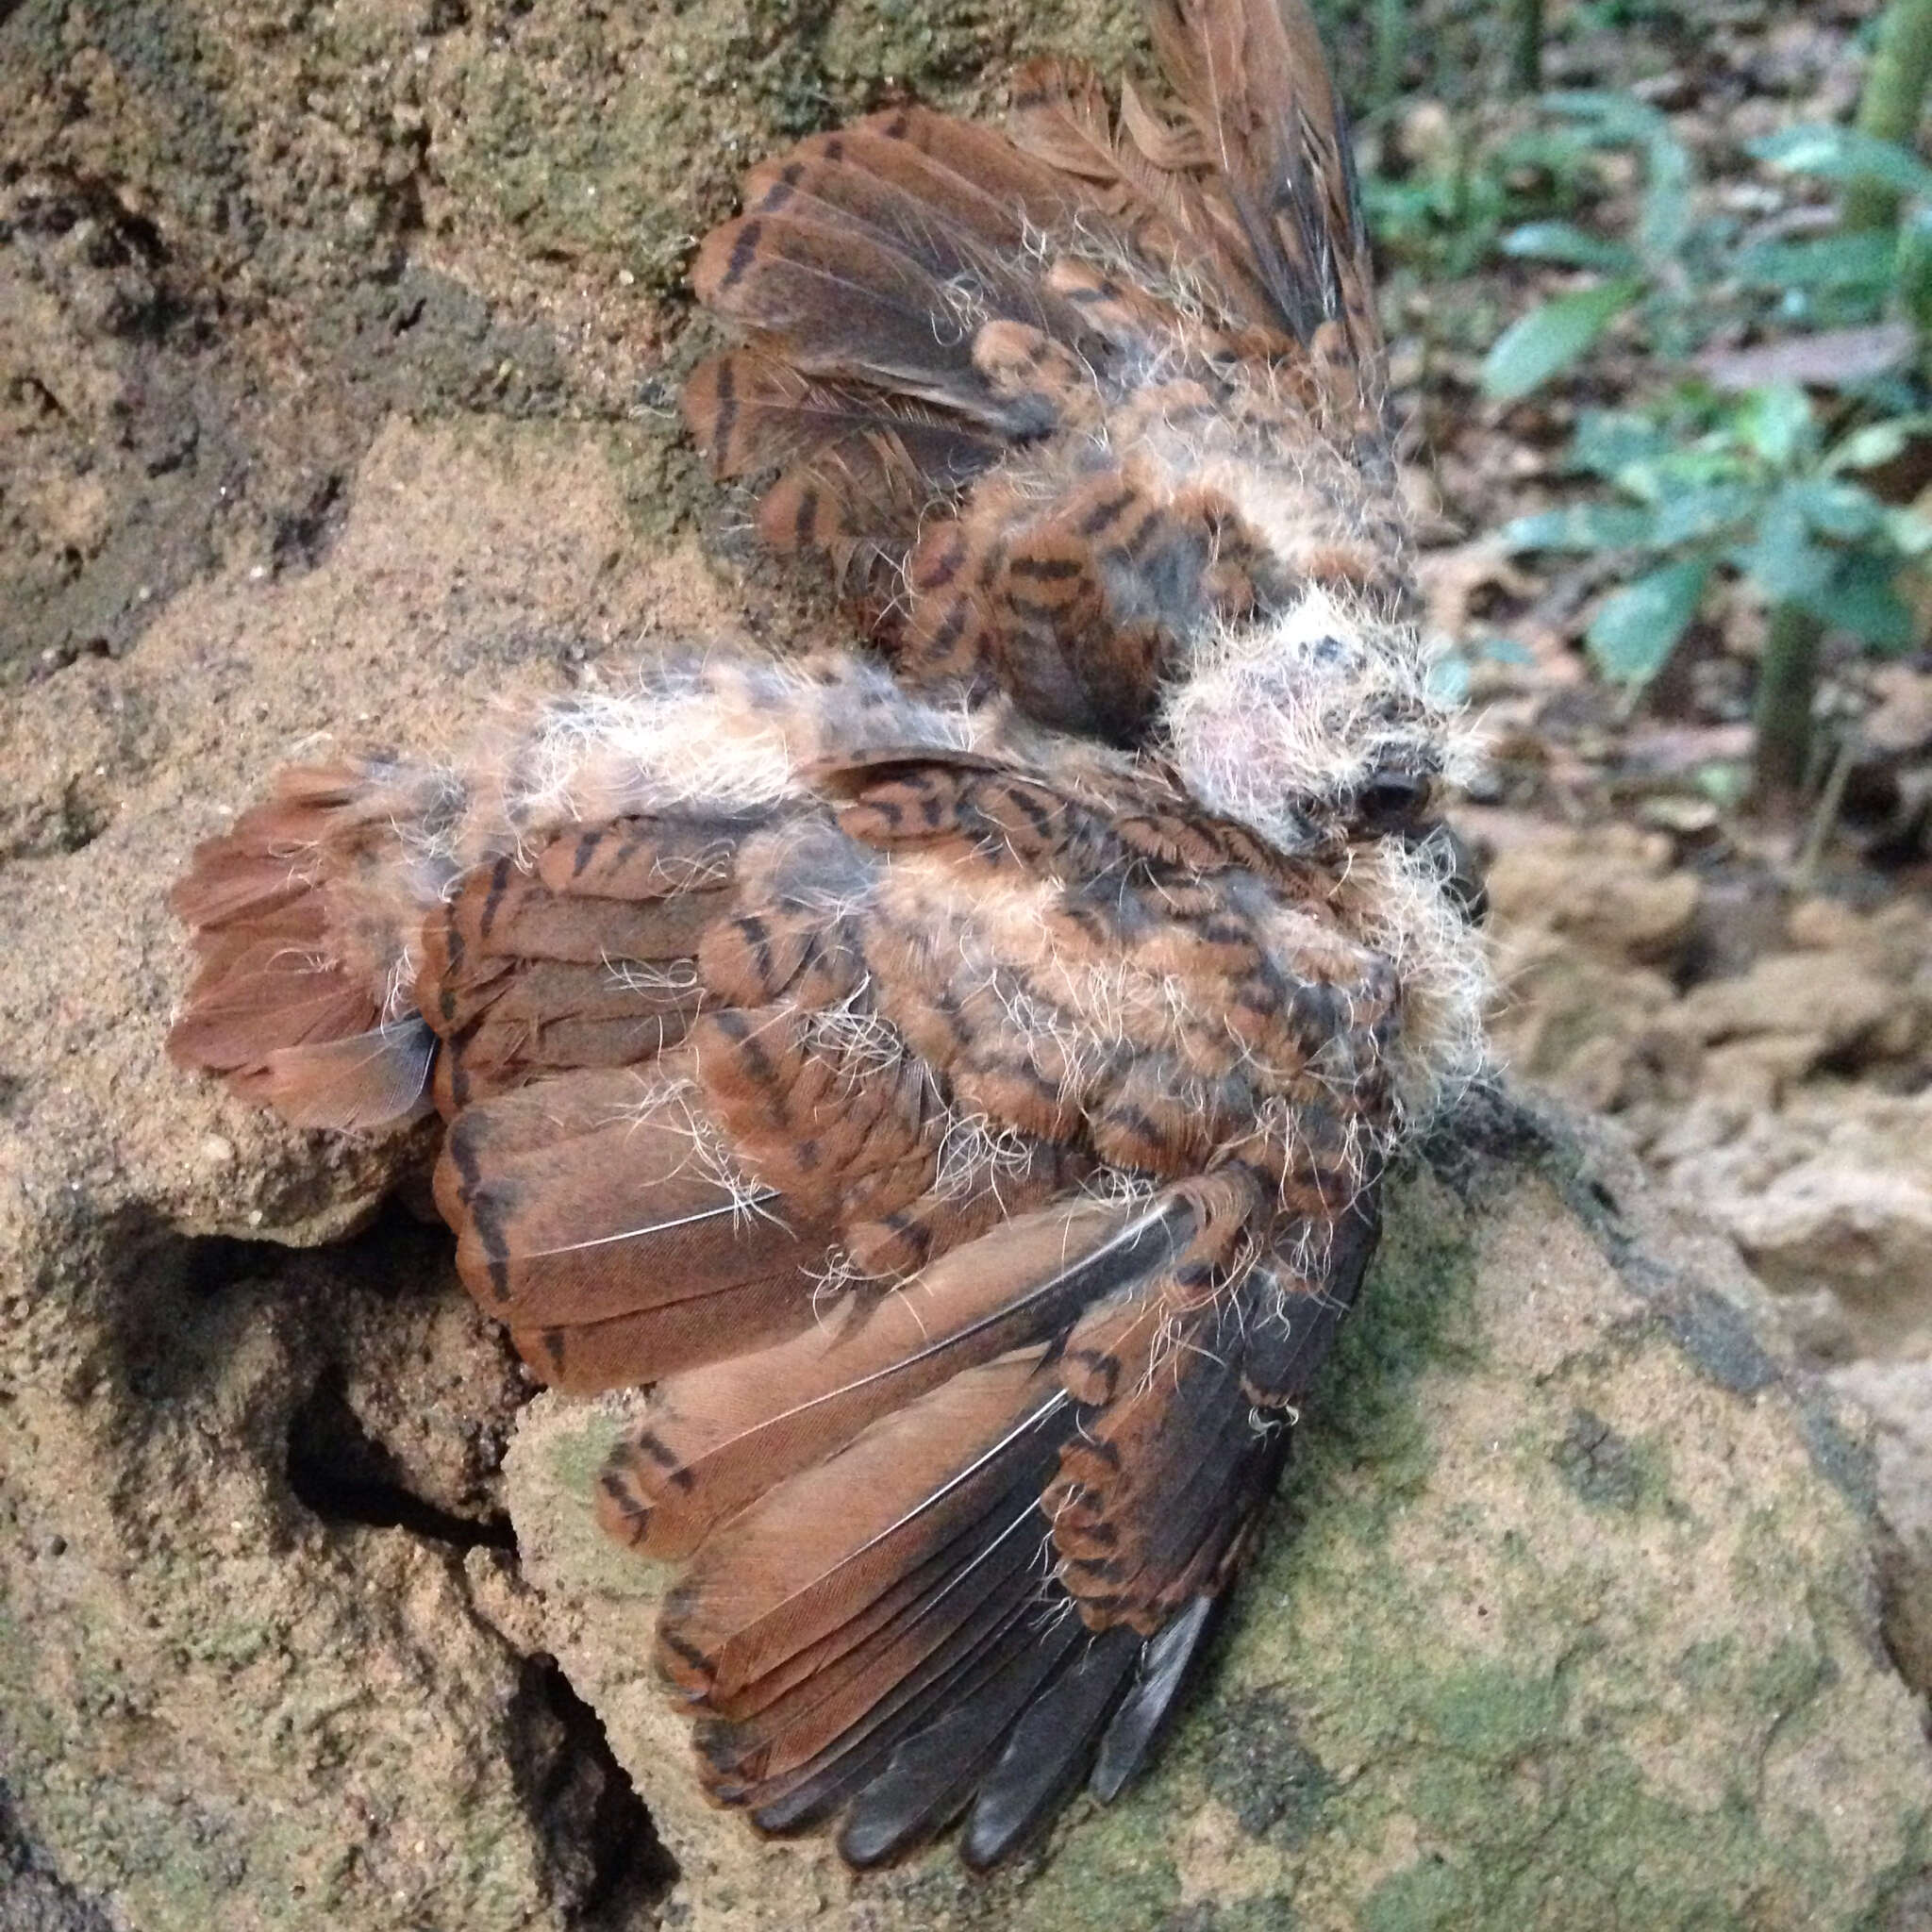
(1391,799)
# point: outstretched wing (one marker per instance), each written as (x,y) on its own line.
(1054,401)
(974,1163)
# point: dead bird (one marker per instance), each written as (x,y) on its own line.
(959,1085)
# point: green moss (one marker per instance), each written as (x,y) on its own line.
(1588,1840)
(1788,1680)
(1606,1470)
(1422,1897)
(1415,1311)
(1710,1662)
(1274,1913)
(232,1641)
(589,140)
(1488,1714)
(576,1456)
(1113,1881)
(1256,1764)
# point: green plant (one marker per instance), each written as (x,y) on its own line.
(1890,101)
(1737,483)
(1874,269)
(1681,275)
(1653,270)
(1761,485)
(1446,216)
(1526,45)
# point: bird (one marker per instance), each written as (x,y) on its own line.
(951,1072)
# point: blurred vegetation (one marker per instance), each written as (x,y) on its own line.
(1770,419)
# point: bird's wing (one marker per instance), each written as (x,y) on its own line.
(962,1153)
(1055,399)
(1274,138)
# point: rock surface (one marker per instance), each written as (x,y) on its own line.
(1830,1200)
(1772,1060)
(243,1680)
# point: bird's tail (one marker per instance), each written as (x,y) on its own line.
(303,919)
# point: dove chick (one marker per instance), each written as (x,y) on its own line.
(956,1079)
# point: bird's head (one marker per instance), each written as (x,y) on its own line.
(1315,726)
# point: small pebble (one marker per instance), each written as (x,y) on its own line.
(217,1150)
(1687,817)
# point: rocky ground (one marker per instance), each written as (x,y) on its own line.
(338,346)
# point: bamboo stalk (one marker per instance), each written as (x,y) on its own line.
(1526,46)
(1786,678)
(1892,101)
(1391,51)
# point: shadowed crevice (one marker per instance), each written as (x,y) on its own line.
(343,1474)
(608,1866)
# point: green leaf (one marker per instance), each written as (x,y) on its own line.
(1876,443)
(1581,527)
(1726,783)
(1548,339)
(1861,599)
(1836,509)
(1845,153)
(1832,262)
(1909,532)
(1912,272)
(1781,558)
(1636,630)
(1774,422)
(1564,153)
(1692,466)
(1699,513)
(1565,242)
(1610,117)
(1665,222)
(1608,441)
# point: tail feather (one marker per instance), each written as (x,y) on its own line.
(850,191)
(1253,78)
(299,927)
(843,304)
(1140,176)
(827,1541)
(860,469)
(753,411)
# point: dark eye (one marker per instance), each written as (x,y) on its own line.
(1391,799)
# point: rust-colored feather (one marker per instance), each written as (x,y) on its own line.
(1253,75)
(997,372)
(717,1437)
(296,949)
(817,1548)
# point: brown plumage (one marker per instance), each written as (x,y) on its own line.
(1057,402)
(961,1099)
